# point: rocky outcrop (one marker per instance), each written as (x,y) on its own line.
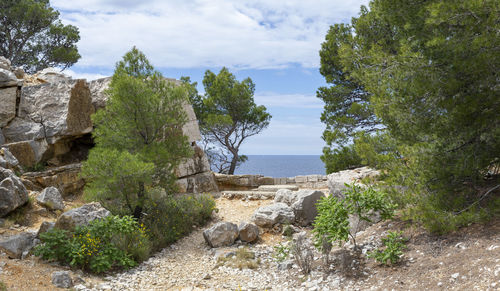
(8,160)
(19,245)
(241,182)
(249,232)
(337,181)
(12,192)
(48,120)
(51,199)
(269,215)
(304,206)
(221,234)
(66,178)
(81,216)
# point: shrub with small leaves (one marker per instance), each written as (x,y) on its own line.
(394,244)
(281,252)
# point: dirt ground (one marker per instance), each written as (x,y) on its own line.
(468,259)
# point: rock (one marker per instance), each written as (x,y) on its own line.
(198,183)
(8,98)
(18,244)
(8,160)
(237,182)
(198,163)
(51,199)
(286,265)
(67,178)
(98,91)
(191,129)
(286,196)
(4,63)
(28,153)
(19,72)
(62,279)
(2,138)
(7,78)
(337,181)
(81,216)
(276,188)
(305,206)
(221,234)
(44,227)
(51,75)
(269,215)
(455,275)
(248,232)
(12,192)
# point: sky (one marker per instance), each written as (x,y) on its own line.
(275,43)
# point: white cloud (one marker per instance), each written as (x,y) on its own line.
(270,99)
(205,33)
(88,76)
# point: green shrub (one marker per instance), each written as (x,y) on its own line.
(394,244)
(112,242)
(332,221)
(281,252)
(169,218)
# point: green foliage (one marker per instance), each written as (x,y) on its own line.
(227,115)
(138,135)
(170,218)
(112,242)
(3,286)
(342,158)
(332,221)
(394,244)
(281,252)
(427,74)
(32,36)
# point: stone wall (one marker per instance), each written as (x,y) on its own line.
(46,118)
(248,182)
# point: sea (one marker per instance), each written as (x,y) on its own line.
(278,166)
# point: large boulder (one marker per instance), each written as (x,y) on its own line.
(81,216)
(304,206)
(249,232)
(7,78)
(269,215)
(8,98)
(12,192)
(18,245)
(198,183)
(337,181)
(286,196)
(51,199)
(51,75)
(28,153)
(221,234)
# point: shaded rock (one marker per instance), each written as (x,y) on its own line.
(28,153)
(19,72)
(67,178)
(44,227)
(4,63)
(62,279)
(51,199)
(198,163)
(8,160)
(2,138)
(12,192)
(18,244)
(8,105)
(7,78)
(304,206)
(23,130)
(51,75)
(337,181)
(221,234)
(269,215)
(248,232)
(198,183)
(81,216)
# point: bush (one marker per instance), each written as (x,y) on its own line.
(112,242)
(332,221)
(394,244)
(281,252)
(169,218)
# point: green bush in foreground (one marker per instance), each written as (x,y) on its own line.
(332,221)
(169,218)
(394,244)
(112,242)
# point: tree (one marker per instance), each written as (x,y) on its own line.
(227,115)
(431,70)
(138,136)
(32,36)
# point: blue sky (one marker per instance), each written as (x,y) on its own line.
(276,43)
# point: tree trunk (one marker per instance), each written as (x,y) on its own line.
(233,163)
(140,202)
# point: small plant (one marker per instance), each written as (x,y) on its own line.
(394,244)
(112,242)
(281,252)
(243,259)
(302,254)
(332,221)
(3,286)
